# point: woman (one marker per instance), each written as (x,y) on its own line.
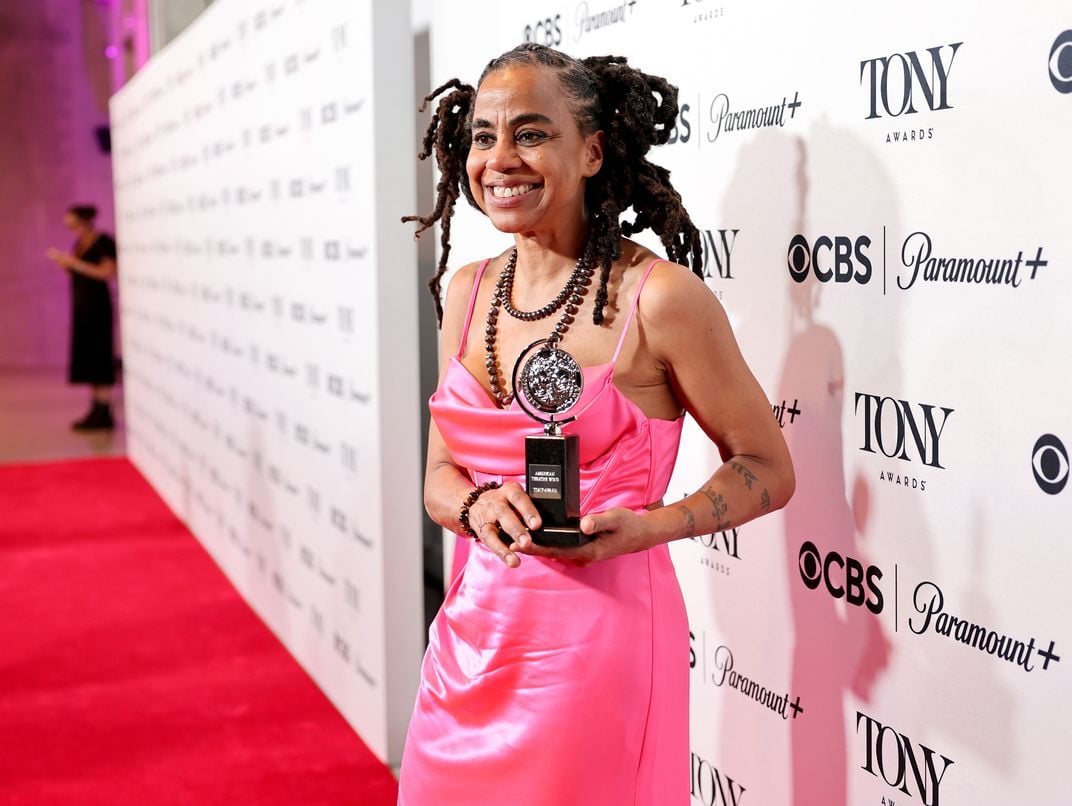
(559,676)
(92,360)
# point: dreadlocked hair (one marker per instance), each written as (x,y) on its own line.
(448,134)
(635,110)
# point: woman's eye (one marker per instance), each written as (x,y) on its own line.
(482,140)
(529,137)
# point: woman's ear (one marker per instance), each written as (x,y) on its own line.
(593,144)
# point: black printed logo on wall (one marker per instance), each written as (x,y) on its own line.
(843,577)
(547,31)
(717,246)
(717,667)
(786,413)
(920,263)
(1049,464)
(846,259)
(929,604)
(720,550)
(907,766)
(712,118)
(589,17)
(908,432)
(703,10)
(712,787)
(839,259)
(909,83)
(1060,63)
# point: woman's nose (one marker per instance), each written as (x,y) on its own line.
(503,155)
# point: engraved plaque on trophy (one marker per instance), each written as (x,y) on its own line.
(549,382)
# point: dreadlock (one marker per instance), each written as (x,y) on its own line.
(635,111)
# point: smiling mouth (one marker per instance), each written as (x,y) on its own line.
(500,192)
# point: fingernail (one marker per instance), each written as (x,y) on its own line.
(524,541)
(533,521)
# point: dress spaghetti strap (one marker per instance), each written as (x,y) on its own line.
(632,310)
(472,304)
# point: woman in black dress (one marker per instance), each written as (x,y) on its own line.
(92,359)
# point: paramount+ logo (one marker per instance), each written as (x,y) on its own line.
(843,577)
(838,259)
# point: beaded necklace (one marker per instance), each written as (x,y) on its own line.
(568,300)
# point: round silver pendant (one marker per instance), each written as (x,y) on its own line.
(552,381)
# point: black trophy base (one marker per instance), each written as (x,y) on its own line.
(559,537)
(553,484)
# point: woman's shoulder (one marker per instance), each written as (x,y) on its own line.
(461,281)
(460,289)
(667,285)
(103,245)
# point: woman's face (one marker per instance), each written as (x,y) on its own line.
(528,161)
(72,222)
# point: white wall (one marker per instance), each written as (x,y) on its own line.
(263,160)
(962,513)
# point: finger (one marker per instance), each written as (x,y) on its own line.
(592,524)
(501,509)
(579,556)
(513,529)
(522,504)
(489,536)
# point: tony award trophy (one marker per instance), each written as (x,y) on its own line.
(549,383)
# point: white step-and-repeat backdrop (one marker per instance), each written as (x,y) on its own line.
(268,290)
(883,193)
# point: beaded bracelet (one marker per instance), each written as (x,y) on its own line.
(463,514)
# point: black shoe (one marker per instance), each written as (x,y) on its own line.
(99,418)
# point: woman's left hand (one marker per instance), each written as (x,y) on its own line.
(617,530)
(62,259)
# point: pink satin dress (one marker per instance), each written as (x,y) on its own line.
(549,684)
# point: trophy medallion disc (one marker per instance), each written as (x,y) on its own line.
(552,381)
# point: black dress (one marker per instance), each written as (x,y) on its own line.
(92,355)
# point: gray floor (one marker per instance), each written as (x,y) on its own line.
(36,412)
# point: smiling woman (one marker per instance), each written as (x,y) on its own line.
(556,674)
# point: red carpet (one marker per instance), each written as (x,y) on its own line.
(131,672)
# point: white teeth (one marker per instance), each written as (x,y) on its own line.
(507,192)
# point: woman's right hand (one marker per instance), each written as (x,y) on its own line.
(510,509)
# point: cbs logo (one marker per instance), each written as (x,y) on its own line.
(682,130)
(1060,62)
(844,577)
(1049,463)
(849,258)
(545,32)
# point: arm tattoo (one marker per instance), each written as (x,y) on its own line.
(690,520)
(718,503)
(764,500)
(744,473)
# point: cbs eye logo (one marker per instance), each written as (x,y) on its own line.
(1049,463)
(844,577)
(1060,63)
